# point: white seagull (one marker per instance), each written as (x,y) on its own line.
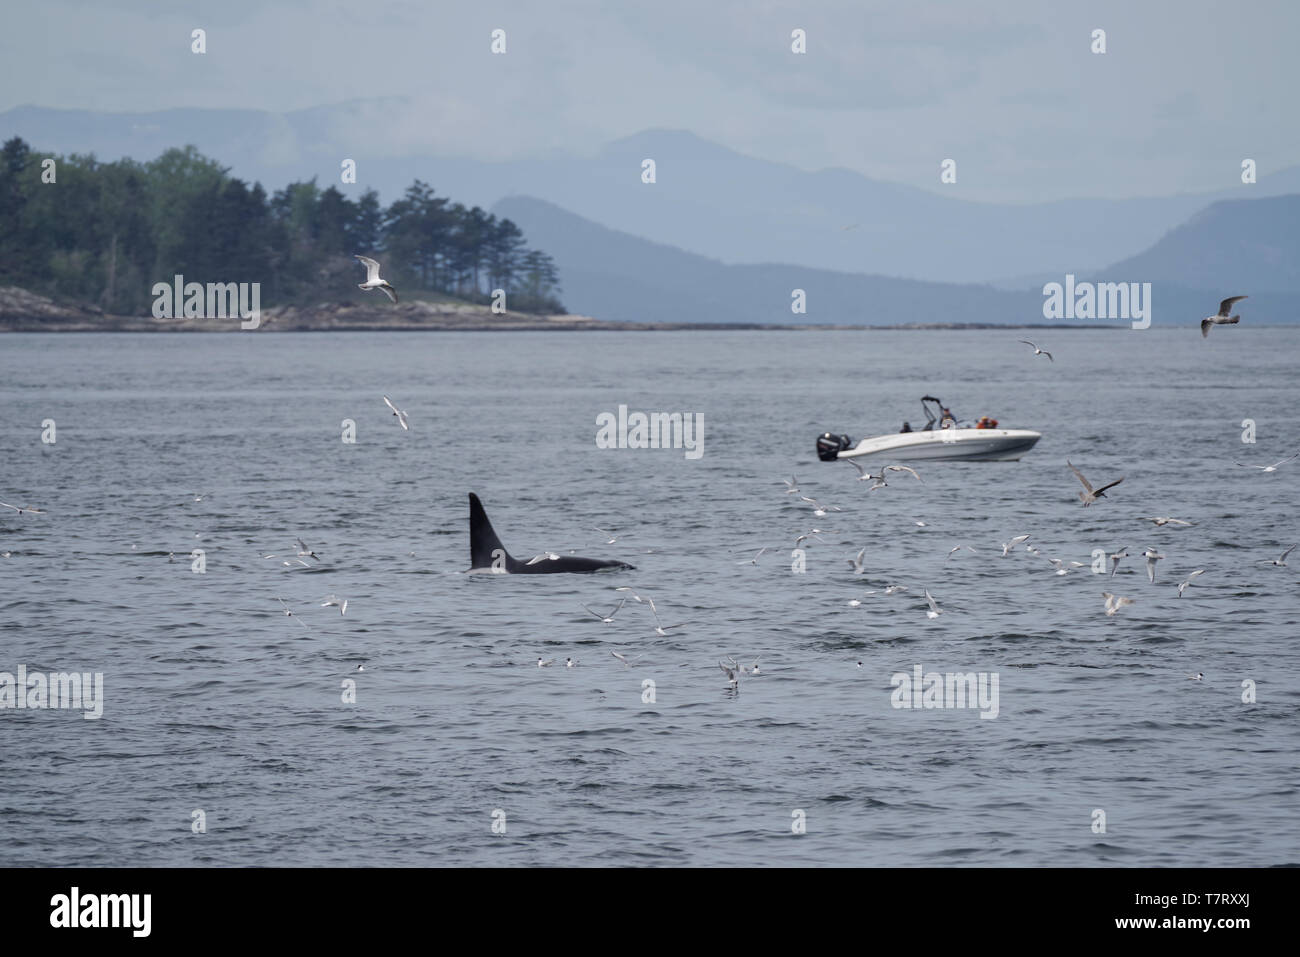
(342,604)
(856,562)
(627,662)
(1268,468)
(754,560)
(545,663)
(1152,556)
(957,548)
(372,278)
(1162,520)
(1279,562)
(1183,585)
(1038,351)
(401,415)
(1114,603)
(25,508)
(303,550)
(610,617)
(1222,318)
(1007,546)
(934,611)
(1115,559)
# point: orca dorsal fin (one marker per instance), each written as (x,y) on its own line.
(483,541)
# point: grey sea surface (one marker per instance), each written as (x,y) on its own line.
(215,700)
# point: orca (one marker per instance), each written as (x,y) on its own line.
(487,554)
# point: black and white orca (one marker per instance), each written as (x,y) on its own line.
(488,555)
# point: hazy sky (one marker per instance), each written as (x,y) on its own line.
(1007,88)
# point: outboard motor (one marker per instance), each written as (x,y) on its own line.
(829,446)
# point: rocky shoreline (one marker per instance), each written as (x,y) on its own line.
(23,311)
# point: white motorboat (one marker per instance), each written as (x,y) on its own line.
(941,438)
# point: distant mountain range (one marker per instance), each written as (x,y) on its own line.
(614,275)
(722,237)
(707,199)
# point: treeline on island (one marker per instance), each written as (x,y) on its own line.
(104,233)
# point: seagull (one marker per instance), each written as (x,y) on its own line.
(1115,559)
(304,551)
(1060,565)
(627,662)
(1007,546)
(610,617)
(1152,556)
(1222,318)
(1268,468)
(372,278)
(401,415)
(731,673)
(934,611)
(857,602)
(334,600)
(25,508)
(570,662)
(1281,561)
(792,486)
(856,562)
(820,510)
(1038,351)
(544,557)
(1090,495)
(754,560)
(612,537)
(815,533)
(292,615)
(957,548)
(545,663)
(660,628)
(903,468)
(1161,521)
(1199,571)
(890,589)
(1198,676)
(1114,603)
(863,475)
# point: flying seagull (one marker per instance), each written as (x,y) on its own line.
(1162,520)
(1281,561)
(1007,546)
(372,279)
(1090,495)
(1114,603)
(401,415)
(1038,351)
(335,600)
(610,617)
(304,551)
(1268,468)
(856,562)
(903,468)
(934,611)
(1152,556)
(25,508)
(1183,585)
(1115,559)
(1222,318)
(627,662)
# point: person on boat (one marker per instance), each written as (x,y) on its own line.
(907,427)
(947,421)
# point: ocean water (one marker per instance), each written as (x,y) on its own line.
(214,700)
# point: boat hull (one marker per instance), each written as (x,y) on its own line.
(971,445)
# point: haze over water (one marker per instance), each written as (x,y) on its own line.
(215,700)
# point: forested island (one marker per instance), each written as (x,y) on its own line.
(90,239)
